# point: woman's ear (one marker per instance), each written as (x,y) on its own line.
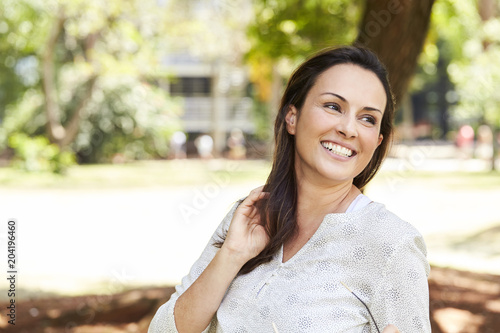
(380,138)
(291,119)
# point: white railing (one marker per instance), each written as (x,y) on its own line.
(198,114)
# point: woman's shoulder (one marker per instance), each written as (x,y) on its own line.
(388,221)
(380,225)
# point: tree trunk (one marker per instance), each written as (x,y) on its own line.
(494,146)
(56,131)
(487,10)
(396,30)
(54,128)
(407,133)
(73,125)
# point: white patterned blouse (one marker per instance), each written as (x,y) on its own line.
(381,258)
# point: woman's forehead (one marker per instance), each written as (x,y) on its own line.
(351,82)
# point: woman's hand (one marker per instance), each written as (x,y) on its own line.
(246,237)
(390,329)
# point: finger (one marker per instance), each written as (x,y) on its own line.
(264,195)
(253,214)
(255,195)
(390,329)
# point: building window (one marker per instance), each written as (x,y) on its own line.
(191,86)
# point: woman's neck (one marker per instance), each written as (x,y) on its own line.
(315,201)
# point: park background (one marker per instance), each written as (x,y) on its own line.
(128,128)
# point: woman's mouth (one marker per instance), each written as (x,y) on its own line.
(338,150)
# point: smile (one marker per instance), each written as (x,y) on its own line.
(338,150)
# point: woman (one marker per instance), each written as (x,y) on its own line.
(289,247)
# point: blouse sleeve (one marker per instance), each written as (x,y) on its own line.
(163,321)
(402,298)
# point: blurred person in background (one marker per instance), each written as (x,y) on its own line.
(178,145)
(465,141)
(484,146)
(280,259)
(236,144)
(204,145)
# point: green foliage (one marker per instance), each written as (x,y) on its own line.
(263,123)
(118,42)
(126,119)
(21,33)
(454,22)
(471,46)
(285,32)
(294,28)
(211,30)
(38,154)
(477,80)
(23,117)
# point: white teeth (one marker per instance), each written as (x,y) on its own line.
(339,150)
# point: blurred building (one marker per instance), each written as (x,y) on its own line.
(214,97)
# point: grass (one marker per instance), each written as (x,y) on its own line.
(455,180)
(138,174)
(195,172)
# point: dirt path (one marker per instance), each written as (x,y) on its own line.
(461,302)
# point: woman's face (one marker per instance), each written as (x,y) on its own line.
(338,128)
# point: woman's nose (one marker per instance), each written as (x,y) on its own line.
(346,126)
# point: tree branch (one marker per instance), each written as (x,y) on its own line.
(54,128)
(74,123)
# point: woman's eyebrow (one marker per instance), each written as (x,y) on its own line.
(368,108)
(330,93)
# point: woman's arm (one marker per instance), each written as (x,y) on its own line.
(403,296)
(196,307)
(245,239)
(193,305)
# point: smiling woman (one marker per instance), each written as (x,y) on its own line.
(342,113)
(279,258)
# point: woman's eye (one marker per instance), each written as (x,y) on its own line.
(369,119)
(333,106)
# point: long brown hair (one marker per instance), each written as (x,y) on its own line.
(278,212)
